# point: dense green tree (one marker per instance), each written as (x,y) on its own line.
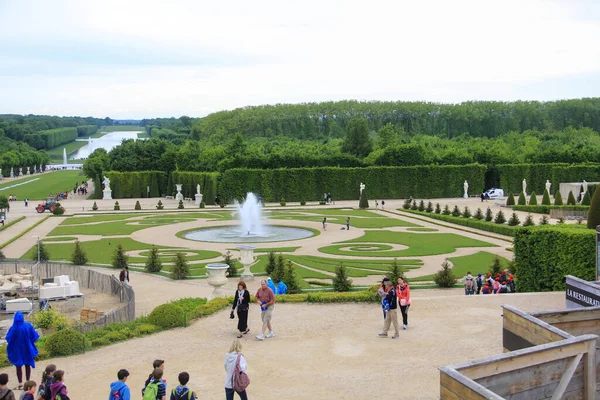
(153,263)
(358,141)
(279,271)
(291,279)
(3,202)
(500,218)
(119,259)
(271,263)
(78,257)
(445,277)
(593,218)
(395,272)
(231,269)
(180,268)
(386,136)
(496,267)
(341,281)
(513,220)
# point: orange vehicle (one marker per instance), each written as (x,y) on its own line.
(48,204)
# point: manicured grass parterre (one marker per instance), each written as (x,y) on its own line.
(358,218)
(39,186)
(418,244)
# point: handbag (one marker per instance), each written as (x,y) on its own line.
(241,380)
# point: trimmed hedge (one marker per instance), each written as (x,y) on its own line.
(295,184)
(167,316)
(511,175)
(208,184)
(470,222)
(86,130)
(55,137)
(545,255)
(131,185)
(542,209)
(65,342)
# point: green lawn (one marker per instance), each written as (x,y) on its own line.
(39,186)
(476,263)
(112,228)
(418,244)
(58,239)
(166,255)
(421,229)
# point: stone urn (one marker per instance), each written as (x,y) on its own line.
(179,196)
(247,259)
(217,278)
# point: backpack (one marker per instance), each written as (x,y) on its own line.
(8,392)
(469,283)
(151,391)
(45,391)
(240,378)
(116,395)
(175,396)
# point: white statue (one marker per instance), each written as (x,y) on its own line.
(106,183)
(466,187)
(198,195)
(198,189)
(548,184)
(107,192)
(20,171)
(12,173)
(362,187)
(585,186)
(524,187)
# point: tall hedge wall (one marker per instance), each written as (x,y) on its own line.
(297,184)
(512,175)
(545,255)
(208,184)
(127,185)
(56,137)
(86,130)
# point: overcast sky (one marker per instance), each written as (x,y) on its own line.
(136,59)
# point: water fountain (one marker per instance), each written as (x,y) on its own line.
(64,156)
(251,228)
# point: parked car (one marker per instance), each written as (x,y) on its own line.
(494,193)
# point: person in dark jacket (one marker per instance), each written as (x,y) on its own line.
(21,350)
(5,392)
(390,303)
(58,387)
(241,301)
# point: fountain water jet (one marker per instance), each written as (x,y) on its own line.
(250,214)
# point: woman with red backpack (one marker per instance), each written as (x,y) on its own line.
(236,379)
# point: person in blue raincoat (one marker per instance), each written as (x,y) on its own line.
(21,350)
(281,288)
(271,285)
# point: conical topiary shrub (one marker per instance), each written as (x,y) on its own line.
(586,199)
(546,198)
(117,206)
(558,199)
(363,202)
(138,206)
(500,219)
(514,220)
(456,212)
(522,201)
(571,199)
(510,201)
(180,206)
(533,199)
(95,207)
(593,217)
(421,206)
(489,215)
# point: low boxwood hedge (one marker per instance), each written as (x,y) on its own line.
(65,343)
(470,222)
(168,316)
(545,209)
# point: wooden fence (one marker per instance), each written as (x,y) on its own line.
(87,278)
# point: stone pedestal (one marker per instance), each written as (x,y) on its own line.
(107,194)
(179,196)
(198,198)
(217,279)
(247,259)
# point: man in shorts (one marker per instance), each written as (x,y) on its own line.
(266,299)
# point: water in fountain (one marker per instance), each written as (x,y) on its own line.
(249,214)
(64,156)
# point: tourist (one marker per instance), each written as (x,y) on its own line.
(390,304)
(496,285)
(487,289)
(182,392)
(403,292)
(28,391)
(382,204)
(376,205)
(5,392)
(469,282)
(271,285)
(266,298)
(348,223)
(503,288)
(231,361)
(281,287)
(160,364)
(482,196)
(479,281)
(490,280)
(118,389)
(324,223)
(26,202)
(156,388)
(21,350)
(511,283)
(381,292)
(124,275)
(504,276)
(58,387)
(47,379)
(241,301)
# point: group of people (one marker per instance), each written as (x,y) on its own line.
(394,296)
(324,223)
(382,205)
(500,284)
(265,298)
(81,188)
(327,198)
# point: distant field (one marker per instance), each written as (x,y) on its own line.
(118,128)
(39,186)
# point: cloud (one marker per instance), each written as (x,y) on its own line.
(152,58)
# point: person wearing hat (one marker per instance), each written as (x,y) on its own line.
(479,281)
(390,304)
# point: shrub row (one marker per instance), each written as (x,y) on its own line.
(540,209)
(86,130)
(55,137)
(545,255)
(512,175)
(296,184)
(208,182)
(470,222)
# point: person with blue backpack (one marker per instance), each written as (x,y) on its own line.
(271,285)
(281,288)
(118,389)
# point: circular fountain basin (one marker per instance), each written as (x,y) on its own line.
(233,234)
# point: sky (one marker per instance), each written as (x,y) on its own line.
(146,59)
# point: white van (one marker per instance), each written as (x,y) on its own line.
(494,193)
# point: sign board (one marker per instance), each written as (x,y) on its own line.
(580,293)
